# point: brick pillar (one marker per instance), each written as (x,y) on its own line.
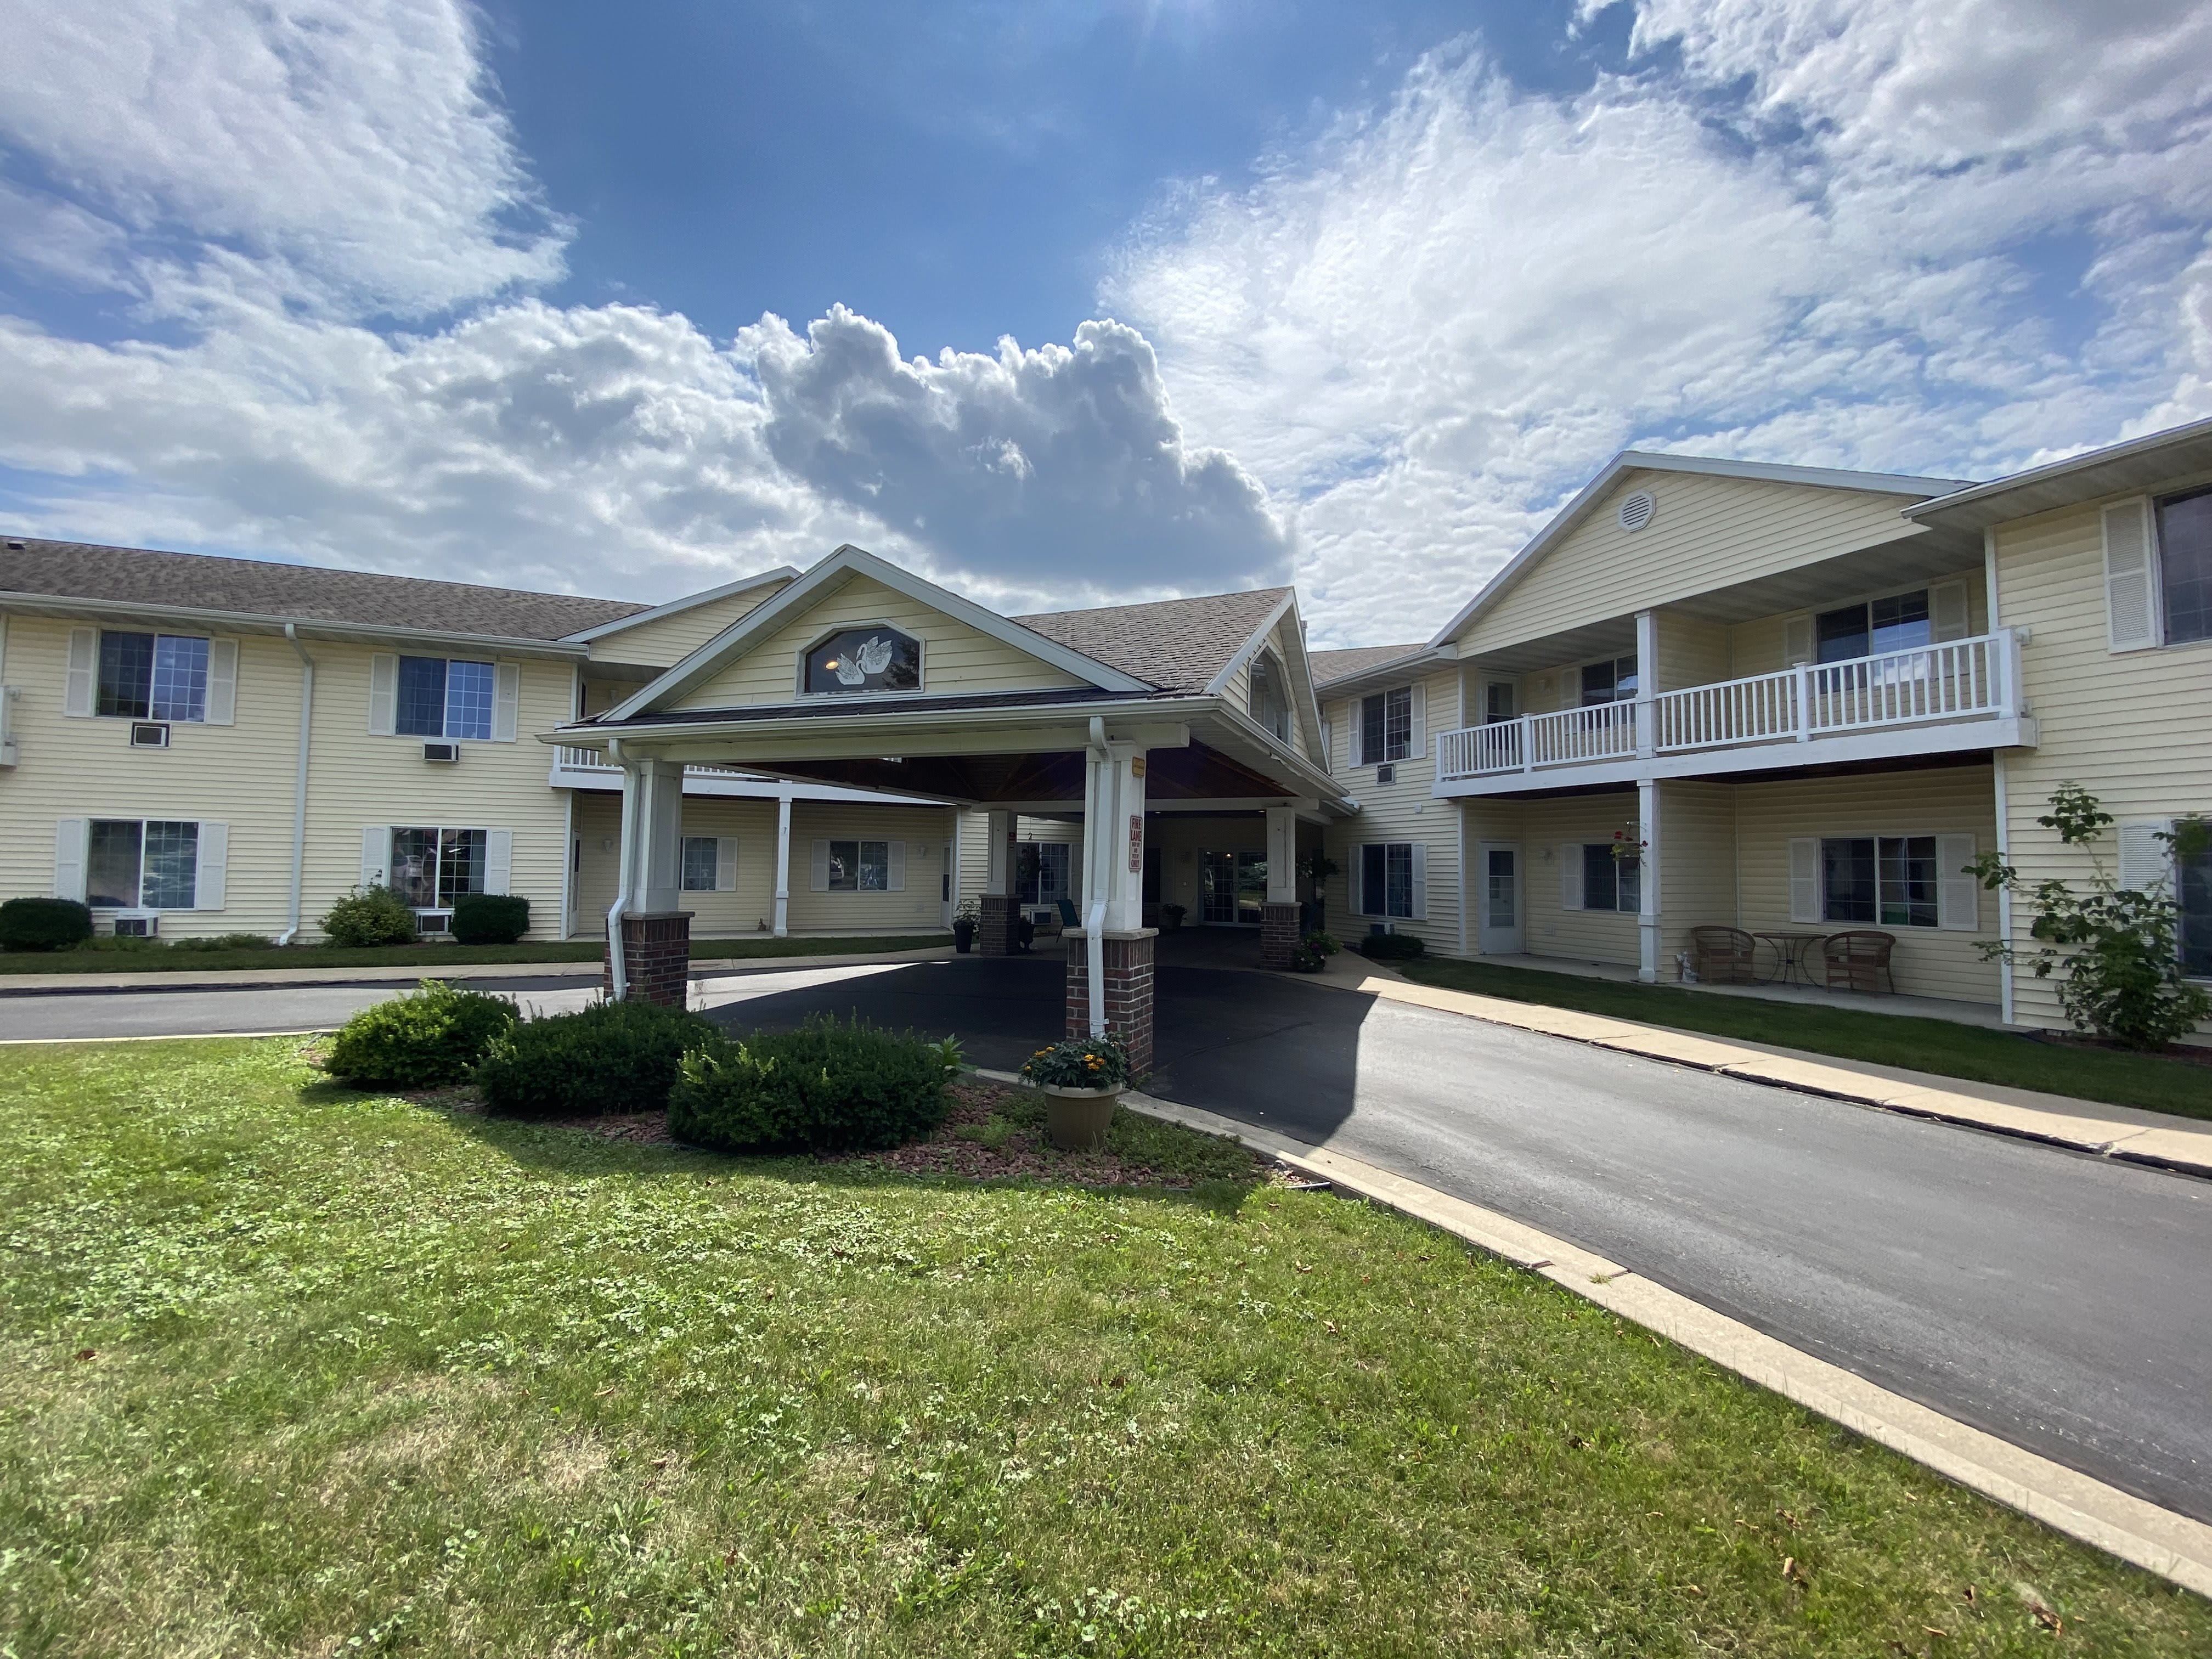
(656,957)
(1128,992)
(1278,934)
(994,927)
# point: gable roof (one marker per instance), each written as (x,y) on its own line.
(1177,645)
(2136,464)
(782,573)
(1569,517)
(1332,666)
(61,571)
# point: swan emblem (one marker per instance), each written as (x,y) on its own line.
(872,658)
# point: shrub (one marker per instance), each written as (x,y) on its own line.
(1308,959)
(44,924)
(824,1088)
(490,918)
(1078,1063)
(433,1035)
(370,915)
(1389,947)
(1327,942)
(226,942)
(609,1057)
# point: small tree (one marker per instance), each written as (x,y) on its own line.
(2117,949)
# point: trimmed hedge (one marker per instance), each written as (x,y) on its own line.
(824,1088)
(1388,947)
(434,1035)
(490,918)
(370,915)
(609,1057)
(44,924)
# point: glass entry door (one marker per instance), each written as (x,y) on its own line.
(1499,896)
(1233,889)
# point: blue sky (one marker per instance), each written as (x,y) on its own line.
(1065,304)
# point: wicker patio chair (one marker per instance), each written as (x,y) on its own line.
(1721,956)
(1859,961)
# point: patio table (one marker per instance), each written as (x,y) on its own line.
(1790,951)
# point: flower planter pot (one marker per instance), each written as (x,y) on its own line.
(964,937)
(1076,1120)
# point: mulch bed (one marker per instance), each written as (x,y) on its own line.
(2189,1053)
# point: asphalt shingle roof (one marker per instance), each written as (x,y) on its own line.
(297,592)
(1177,645)
(1336,665)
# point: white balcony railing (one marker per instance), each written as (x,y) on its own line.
(1960,680)
(591,760)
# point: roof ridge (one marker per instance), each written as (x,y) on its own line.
(1142,604)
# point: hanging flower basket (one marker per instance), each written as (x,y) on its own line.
(1082,1078)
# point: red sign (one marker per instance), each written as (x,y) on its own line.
(1136,843)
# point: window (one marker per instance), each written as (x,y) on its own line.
(1040,871)
(153,676)
(2185,565)
(431,868)
(1613,680)
(860,867)
(1898,622)
(1610,883)
(1270,698)
(443,699)
(2193,893)
(1889,880)
(1385,726)
(864,660)
(701,856)
(141,865)
(1496,703)
(1386,878)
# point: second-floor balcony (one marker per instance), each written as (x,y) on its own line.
(1961,695)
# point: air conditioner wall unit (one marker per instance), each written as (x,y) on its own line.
(149,734)
(446,754)
(433,921)
(1386,773)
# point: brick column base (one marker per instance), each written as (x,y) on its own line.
(656,958)
(1278,934)
(1128,992)
(995,926)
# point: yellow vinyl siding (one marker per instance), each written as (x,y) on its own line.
(666,641)
(1548,927)
(1400,811)
(749,908)
(2129,726)
(1710,532)
(1697,862)
(1692,652)
(955,656)
(926,829)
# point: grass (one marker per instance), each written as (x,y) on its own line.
(1975,1053)
(295,1371)
(156,958)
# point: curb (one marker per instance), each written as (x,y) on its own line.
(2158,1540)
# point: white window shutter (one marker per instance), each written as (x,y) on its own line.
(499,860)
(2145,860)
(1421,881)
(820,881)
(506,701)
(383,693)
(1950,617)
(1357,730)
(898,866)
(1796,641)
(1805,878)
(2130,594)
(376,855)
(78,688)
(726,864)
(70,836)
(1075,873)
(214,861)
(1570,875)
(1420,741)
(1327,748)
(1958,896)
(221,688)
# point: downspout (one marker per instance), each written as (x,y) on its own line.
(618,968)
(1096,839)
(300,784)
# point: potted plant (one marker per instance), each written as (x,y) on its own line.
(1082,1078)
(965,921)
(1171,917)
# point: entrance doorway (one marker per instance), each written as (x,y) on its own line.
(1500,896)
(1233,889)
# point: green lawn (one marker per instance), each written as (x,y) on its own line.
(295,1371)
(1922,1045)
(160,958)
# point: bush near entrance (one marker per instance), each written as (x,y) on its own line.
(1389,947)
(609,1057)
(490,918)
(374,915)
(825,1088)
(44,924)
(432,1036)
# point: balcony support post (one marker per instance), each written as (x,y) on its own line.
(1804,702)
(783,862)
(1527,743)
(1647,928)
(1647,673)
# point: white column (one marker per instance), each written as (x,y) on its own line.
(1123,839)
(1647,915)
(1282,855)
(652,790)
(999,853)
(783,863)
(1647,680)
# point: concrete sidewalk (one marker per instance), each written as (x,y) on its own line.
(2124,1133)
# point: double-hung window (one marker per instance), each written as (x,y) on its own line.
(2192,887)
(1040,872)
(443,698)
(700,859)
(1899,621)
(1613,680)
(860,867)
(1385,726)
(2184,566)
(432,867)
(1893,881)
(153,676)
(1386,878)
(148,864)
(1609,881)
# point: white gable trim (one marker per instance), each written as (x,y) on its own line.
(1629,460)
(1301,666)
(782,573)
(849,560)
(1250,648)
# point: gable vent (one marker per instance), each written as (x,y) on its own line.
(1637,511)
